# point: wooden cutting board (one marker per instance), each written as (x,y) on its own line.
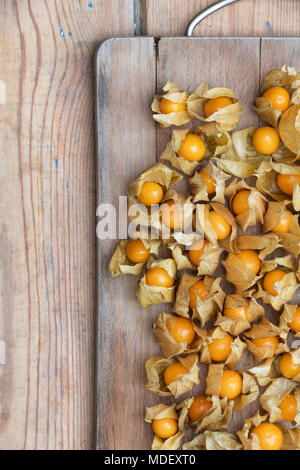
(128,73)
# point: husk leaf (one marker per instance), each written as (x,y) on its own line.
(120,264)
(199,189)
(264,329)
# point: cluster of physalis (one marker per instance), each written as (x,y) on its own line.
(220,275)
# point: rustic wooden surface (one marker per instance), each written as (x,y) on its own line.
(125,339)
(48,286)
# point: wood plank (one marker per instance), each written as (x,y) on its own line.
(126,147)
(245,18)
(47,169)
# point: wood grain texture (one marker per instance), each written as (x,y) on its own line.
(47,269)
(245,18)
(126,147)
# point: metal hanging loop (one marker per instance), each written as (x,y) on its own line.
(205,13)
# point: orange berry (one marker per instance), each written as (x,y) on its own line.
(285,223)
(168,106)
(286,183)
(270,436)
(295,323)
(181,329)
(215,104)
(192,148)
(231,384)
(220,225)
(174,372)
(151,193)
(197,290)
(165,427)
(250,259)
(171,215)
(240,202)
(220,348)
(279,97)
(287,366)
(136,251)
(271,341)
(271,279)
(200,406)
(209,181)
(238,312)
(266,140)
(196,250)
(159,277)
(289,408)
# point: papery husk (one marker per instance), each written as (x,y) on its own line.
(238,274)
(168,346)
(203,224)
(173,443)
(175,94)
(266,112)
(155,368)
(215,419)
(236,326)
(285,288)
(291,438)
(217,440)
(227,118)
(149,295)
(264,329)
(286,318)
(265,373)
(161,411)
(250,390)
(284,77)
(199,189)
(249,440)
(296,360)
(289,128)
(205,309)
(186,208)
(170,153)
(158,173)
(256,201)
(209,259)
(237,348)
(274,395)
(120,264)
(291,240)
(267,175)
(265,244)
(242,160)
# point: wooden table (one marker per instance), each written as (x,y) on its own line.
(47,269)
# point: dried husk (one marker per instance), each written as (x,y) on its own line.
(173,443)
(285,288)
(256,201)
(199,190)
(267,175)
(236,326)
(265,372)
(168,346)
(285,319)
(249,440)
(185,207)
(205,309)
(289,129)
(264,329)
(250,390)
(266,112)
(218,440)
(158,173)
(273,396)
(291,438)
(155,368)
(209,259)
(160,412)
(265,244)
(215,419)
(149,295)
(120,264)
(238,274)
(203,224)
(237,348)
(175,94)
(216,142)
(291,240)
(227,118)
